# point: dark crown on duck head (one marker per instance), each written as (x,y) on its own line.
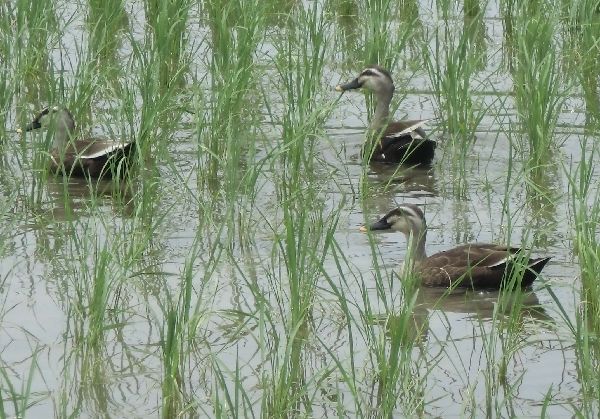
(405,212)
(410,211)
(373,78)
(377,71)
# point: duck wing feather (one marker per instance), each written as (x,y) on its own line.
(405,142)
(475,265)
(96,148)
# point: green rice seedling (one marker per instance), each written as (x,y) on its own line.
(583,330)
(15,402)
(224,142)
(299,250)
(185,313)
(8,79)
(106,22)
(400,384)
(394,328)
(226,124)
(149,114)
(300,62)
(538,82)
(453,60)
(383,39)
(475,32)
(451,66)
(305,233)
(168,21)
(503,343)
(172,353)
(542,194)
(583,38)
(507,11)
(444,8)
(585,201)
(36,26)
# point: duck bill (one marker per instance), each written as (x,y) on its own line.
(380,225)
(354,84)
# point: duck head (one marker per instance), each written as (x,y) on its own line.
(407,218)
(373,78)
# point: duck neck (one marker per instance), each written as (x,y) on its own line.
(416,245)
(63,130)
(382,111)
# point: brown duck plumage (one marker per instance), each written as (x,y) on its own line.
(475,265)
(79,157)
(396,142)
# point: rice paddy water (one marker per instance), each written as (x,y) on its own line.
(224,275)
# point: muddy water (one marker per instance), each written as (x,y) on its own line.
(42,320)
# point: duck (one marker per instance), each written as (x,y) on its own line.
(80,157)
(401,142)
(474,265)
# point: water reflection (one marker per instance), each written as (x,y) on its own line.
(542,192)
(475,305)
(398,179)
(71,198)
(389,184)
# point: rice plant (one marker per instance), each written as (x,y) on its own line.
(451,65)
(538,81)
(225,275)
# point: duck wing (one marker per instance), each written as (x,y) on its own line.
(413,128)
(475,265)
(405,142)
(97,148)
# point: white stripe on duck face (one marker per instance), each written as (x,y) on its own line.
(410,212)
(371,71)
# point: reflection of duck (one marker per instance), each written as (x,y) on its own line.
(397,142)
(474,265)
(78,157)
(73,198)
(419,180)
(476,305)
(480,304)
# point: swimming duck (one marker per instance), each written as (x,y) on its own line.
(78,157)
(476,265)
(397,142)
